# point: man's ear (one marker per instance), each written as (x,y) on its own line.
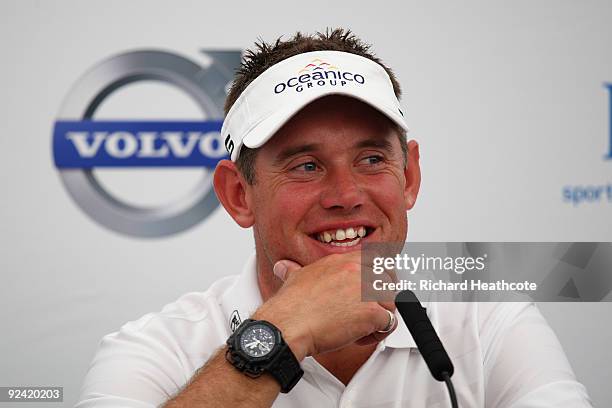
(412,172)
(234,193)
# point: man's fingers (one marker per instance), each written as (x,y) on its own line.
(377,336)
(367,340)
(284,268)
(388,322)
(388,305)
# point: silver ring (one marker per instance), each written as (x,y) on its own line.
(391,323)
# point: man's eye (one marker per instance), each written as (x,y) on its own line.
(373,159)
(308,166)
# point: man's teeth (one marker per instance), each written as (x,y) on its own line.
(341,234)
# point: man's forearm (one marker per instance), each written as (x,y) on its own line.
(219,384)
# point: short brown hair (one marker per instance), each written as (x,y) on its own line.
(264,55)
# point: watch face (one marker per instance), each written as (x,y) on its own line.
(257,340)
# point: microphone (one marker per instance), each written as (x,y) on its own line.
(426,339)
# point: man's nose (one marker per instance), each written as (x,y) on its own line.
(342,190)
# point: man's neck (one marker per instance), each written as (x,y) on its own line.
(268,283)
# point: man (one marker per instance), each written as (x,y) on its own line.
(319,165)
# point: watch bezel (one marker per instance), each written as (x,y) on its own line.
(280,362)
(237,344)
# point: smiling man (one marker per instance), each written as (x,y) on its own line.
(319,165)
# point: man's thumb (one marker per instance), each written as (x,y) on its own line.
(283,268)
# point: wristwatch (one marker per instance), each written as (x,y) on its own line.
(257,346)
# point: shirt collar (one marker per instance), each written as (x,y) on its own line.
(243,298)
(401,337)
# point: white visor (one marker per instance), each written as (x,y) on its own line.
(288,86)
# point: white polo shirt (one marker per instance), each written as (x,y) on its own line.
(505,355)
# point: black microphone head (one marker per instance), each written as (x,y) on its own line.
(406,296)
(424,335)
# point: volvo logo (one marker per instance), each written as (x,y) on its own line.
(81,143)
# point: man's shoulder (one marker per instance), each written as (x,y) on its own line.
(185,331)
(191,307)
(168,346)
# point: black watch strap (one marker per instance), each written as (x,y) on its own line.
(286,369)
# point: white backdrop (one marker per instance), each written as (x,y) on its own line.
(506,99)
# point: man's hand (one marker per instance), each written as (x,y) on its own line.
(319,307)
